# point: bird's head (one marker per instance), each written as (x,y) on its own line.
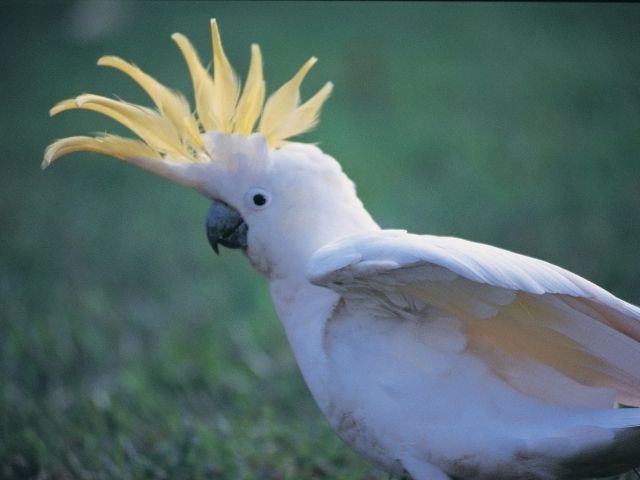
(276,200)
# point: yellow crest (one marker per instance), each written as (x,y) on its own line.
(172,132)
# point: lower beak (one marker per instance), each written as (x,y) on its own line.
(226,227)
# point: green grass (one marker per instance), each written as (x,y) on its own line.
(128,350)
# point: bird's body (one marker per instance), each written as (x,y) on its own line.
(433,357)
(398,381)
(402,395)
(409,384)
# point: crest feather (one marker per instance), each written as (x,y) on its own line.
(202,83)
(112,145)
(149,125)
(252,99)
(225,83)
(171,104)
(171,132)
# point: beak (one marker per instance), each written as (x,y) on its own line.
(225,226)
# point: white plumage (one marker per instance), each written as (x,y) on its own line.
(512,348)
(433,357)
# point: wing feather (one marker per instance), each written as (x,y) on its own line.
(546,331)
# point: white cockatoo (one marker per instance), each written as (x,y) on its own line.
(433,357)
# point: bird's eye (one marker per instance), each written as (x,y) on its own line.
(258,198)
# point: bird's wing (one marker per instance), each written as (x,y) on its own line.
(548,332)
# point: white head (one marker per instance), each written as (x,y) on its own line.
(278,201)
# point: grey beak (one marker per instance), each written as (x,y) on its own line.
(226,227)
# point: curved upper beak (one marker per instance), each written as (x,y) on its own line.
(226,227)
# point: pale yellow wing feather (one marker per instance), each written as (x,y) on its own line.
(545,329)
(547,332)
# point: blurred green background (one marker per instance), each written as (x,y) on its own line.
(128,350)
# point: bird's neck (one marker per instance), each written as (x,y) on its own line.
(304,308)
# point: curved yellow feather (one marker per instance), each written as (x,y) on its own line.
(252,99)
(171,104)
(302,119)
(150,126)
(173,132)
(225,83)
(282,104)
(202,83)
(111,145)
(63,106)
(309,111)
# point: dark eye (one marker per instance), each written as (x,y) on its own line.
(259,199)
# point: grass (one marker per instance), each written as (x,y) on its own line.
(127,350)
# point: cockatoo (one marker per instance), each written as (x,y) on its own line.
(433,357)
